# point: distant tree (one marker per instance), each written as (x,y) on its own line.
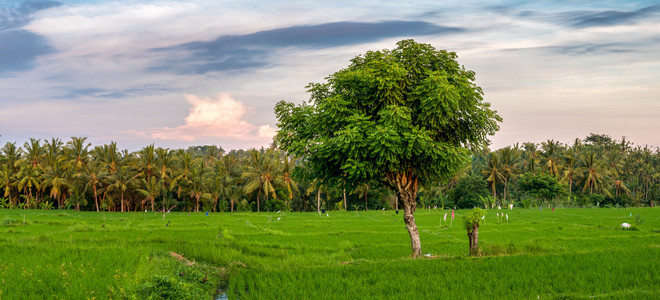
(404,116)
(493,173)
(509,158)
(540,186)
(598,139)
(468,191)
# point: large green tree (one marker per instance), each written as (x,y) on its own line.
(404,116)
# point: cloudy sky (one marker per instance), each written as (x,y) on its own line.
(181,73)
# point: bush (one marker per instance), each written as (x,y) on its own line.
(274,205)
(166,287)
(468,192)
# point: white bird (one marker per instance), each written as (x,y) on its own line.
(625,225)
(279,218)
(327,215)
(278,211)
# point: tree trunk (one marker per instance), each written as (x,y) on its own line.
(366,201)
(258,198)
(506,183)
(96,198)
(318,200)
(345,208)
(473,236)
(121,200)
(406,185)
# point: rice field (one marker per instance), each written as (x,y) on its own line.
(537,254)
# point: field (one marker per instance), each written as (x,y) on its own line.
(568,253)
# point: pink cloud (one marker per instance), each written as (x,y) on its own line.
(221,117)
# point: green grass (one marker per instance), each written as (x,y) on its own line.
(566,254)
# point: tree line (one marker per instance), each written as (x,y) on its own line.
(594,171)
(74,175)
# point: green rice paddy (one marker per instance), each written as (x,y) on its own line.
(538,254)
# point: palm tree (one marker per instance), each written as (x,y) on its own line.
(197,183)
(493,173)
(510,167)
(7,181)
(109,156)
(232,179)
(164,164)
(122,182)
(362,191)
(254,174)
(530,157)
(263,173)
(147,162)
(11,156)
(53,151)
(571,168)
(55,177)
(78,152)
(28,178)
(290,184)
(33,152)
(182,182)
(594,174)
(95,174)
(550,157)
(150,191)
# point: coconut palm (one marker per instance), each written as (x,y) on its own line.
(262,173)
(147,163)
(33,152)
(510,169)
(11,156)
(530,157)
(197,180)
(550,157)
(56,177)
(164,163)
(290,184)
(28,179)
(7,182)
(53,151)
(493,173)
(122,181)
(150,190)
(362,191)
(95,174)
(571,168)
(594,174)
(78,151)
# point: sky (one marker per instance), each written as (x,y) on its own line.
(183,73)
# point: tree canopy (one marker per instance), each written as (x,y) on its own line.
(403,116)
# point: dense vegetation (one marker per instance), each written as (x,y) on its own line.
(595,171)
(573,253)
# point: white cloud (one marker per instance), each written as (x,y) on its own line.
(222,117)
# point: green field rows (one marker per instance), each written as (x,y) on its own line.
(568,253)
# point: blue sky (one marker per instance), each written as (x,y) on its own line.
(181,73)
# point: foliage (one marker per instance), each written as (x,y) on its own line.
(541,186)
(410,109)
(468,192)
(472,218)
